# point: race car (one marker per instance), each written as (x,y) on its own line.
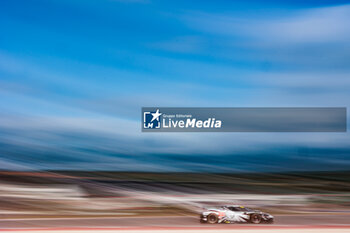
(234,214)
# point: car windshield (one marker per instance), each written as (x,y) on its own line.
(241,208)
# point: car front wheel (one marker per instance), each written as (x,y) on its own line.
(255,218)
(212,218)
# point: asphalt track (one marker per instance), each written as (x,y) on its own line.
(338,220)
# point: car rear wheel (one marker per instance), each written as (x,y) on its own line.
(212,218)
(255,218)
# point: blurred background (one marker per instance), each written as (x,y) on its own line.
(75,74)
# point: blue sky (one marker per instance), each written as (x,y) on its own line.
(75,74)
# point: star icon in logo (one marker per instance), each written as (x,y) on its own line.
(156,115)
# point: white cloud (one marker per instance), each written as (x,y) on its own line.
(328,24)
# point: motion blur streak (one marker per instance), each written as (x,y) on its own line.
(316,230)
(74,76)
(47,199)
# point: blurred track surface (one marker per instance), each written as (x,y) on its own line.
(168,221)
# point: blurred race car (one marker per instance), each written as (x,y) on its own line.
(234,214)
